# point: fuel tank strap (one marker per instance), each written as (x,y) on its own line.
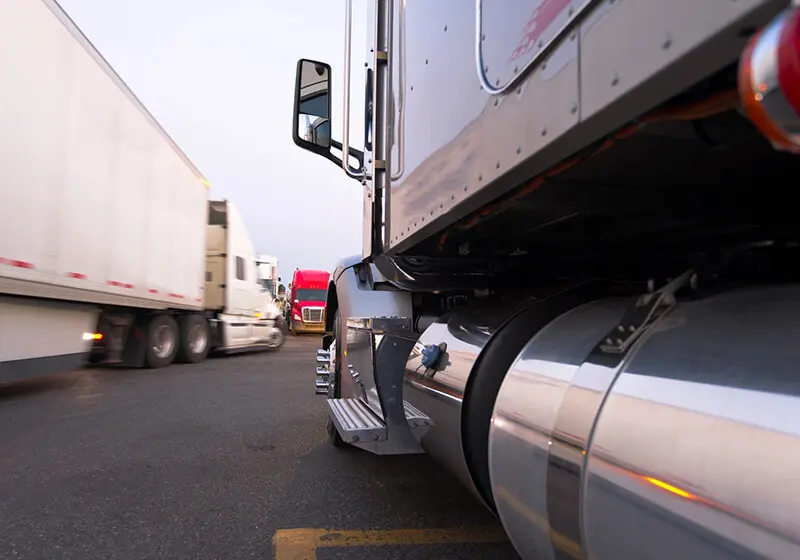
(569,442)
(580,407)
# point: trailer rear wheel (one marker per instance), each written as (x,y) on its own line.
(195,338)
(162,341)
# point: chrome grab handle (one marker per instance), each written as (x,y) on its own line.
(348,28)
(399,112)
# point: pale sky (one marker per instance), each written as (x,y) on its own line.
(219,77)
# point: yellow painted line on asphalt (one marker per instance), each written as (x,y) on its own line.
(302,544)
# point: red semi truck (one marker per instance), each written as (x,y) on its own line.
(309,291)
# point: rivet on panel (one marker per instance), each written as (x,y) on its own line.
(573,108)
(519,150)
(497,165)
(573,36)
(452,197)
(516,69)
(426,61)
(485,69)
(570,11)
(412,88)
(445,28)
(496,102)
(541,44)
(544,131)
(497,82)
(667,42)
(480,178)
(615,79)
(465,188)
(483,36)
(544,65)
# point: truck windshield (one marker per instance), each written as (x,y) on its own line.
(307,294)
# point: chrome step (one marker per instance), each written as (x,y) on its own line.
(416,418)
(355,422)
(321,386)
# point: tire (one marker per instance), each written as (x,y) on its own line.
(163,340)
(195,341)
(292,328)
(333,436)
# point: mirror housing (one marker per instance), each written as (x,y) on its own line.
(311,117)
(312,106)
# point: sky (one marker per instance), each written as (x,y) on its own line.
(219,77)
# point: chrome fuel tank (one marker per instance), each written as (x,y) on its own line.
(440,394)
(688,446)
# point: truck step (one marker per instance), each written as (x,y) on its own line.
(355,421)
(416,418)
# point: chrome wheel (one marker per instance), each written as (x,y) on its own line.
(163,341)
(198,338)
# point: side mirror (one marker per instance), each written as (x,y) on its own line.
(311,122)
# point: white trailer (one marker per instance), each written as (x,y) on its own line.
(103,220)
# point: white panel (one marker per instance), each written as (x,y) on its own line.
(132,194)
(93,195)
(31,124)
(24,325)
(89,169)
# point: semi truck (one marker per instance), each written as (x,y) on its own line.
(110,250)
(577,289)
(267,266)
(306,306)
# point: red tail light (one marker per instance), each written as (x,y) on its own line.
(769,81)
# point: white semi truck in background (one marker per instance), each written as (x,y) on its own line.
(578,287)
(267,266)
(109,247)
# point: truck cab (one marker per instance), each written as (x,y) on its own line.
(243,310)
(308,295)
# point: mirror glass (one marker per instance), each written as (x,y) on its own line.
(313,118)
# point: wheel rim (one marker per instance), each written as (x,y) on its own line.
(163,341)
(198,339)
(274,338)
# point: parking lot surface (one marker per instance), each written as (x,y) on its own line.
(225,459)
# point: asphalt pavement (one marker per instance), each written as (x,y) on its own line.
(222,460)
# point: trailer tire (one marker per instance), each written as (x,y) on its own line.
(162,341)
(195,339)
(333,435)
